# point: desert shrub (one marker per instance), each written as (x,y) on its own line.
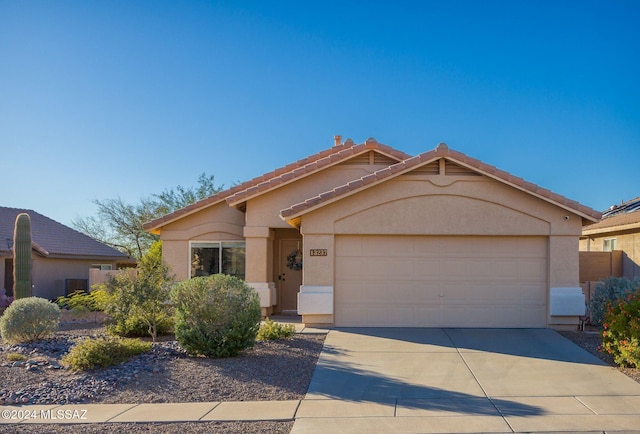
(133,325)
(90,353)
(16,357)
(607,291)
(81,303)
(138,304)
(270,331)
(621,334)
(29,319)
(216,316)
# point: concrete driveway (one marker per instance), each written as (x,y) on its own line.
(391,380)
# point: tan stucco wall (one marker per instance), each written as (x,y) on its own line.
(264,210)
(216,223)
(628,242)
(443,205)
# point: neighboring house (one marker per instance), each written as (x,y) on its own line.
(386,239)
(62,257)
(618,232)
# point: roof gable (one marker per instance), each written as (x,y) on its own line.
(52,239)
(239,194)
(435,162)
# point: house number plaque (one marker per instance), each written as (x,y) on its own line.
(318,252)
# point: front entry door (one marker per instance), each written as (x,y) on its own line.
(289,278)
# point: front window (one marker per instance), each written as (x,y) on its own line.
(225,257)
(610,244)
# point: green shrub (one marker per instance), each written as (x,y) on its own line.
(138,304)
(621,334)
(133,325)
(607,291)
(270,331)
(90,353)
(216,316)
(29,319)
(81,303)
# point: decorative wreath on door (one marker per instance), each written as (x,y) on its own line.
(294,260)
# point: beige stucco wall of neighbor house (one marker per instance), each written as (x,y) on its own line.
(49,274)
(626,241)
(442,205)
(216,223)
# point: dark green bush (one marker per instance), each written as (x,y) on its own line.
(29,319)
(621,334)
(608,291)
(91,353)
(270,331)
(216,316)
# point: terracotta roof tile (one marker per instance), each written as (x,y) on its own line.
(278,177)
(443,151)
(615,221)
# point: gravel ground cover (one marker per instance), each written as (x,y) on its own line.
(271,370)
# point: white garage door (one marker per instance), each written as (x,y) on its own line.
(440,281)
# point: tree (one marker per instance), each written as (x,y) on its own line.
(120,225)
(142,299)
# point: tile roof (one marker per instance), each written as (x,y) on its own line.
(618,222)
(279,177)
(53,239)
(441,151)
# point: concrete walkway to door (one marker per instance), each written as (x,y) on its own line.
(391,380)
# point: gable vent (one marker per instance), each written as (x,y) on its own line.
(432,168)
(453,169)
(369,158)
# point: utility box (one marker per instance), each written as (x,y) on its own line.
(567,302)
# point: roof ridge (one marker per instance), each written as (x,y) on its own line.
(442,151)
(285,174)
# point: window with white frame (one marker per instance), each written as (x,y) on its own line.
(609,244)
(102,266)
(218,257)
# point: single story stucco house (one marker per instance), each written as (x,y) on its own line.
(366,235)
(619,230)
(62,258)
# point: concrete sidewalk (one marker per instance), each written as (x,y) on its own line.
(180,412)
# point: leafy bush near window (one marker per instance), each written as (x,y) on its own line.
(90,353)
(621,334)
(29,319)
(607,291)
(216,316)
(139,305)
(271,330)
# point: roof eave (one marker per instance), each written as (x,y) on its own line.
(364,148)
(616,228)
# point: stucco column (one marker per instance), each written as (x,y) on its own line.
(564,285)
(259,264)
(315,299)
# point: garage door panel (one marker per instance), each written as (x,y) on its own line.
(441,281)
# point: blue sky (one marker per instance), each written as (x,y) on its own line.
(105,99)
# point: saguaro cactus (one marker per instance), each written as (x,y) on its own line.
(22,257)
